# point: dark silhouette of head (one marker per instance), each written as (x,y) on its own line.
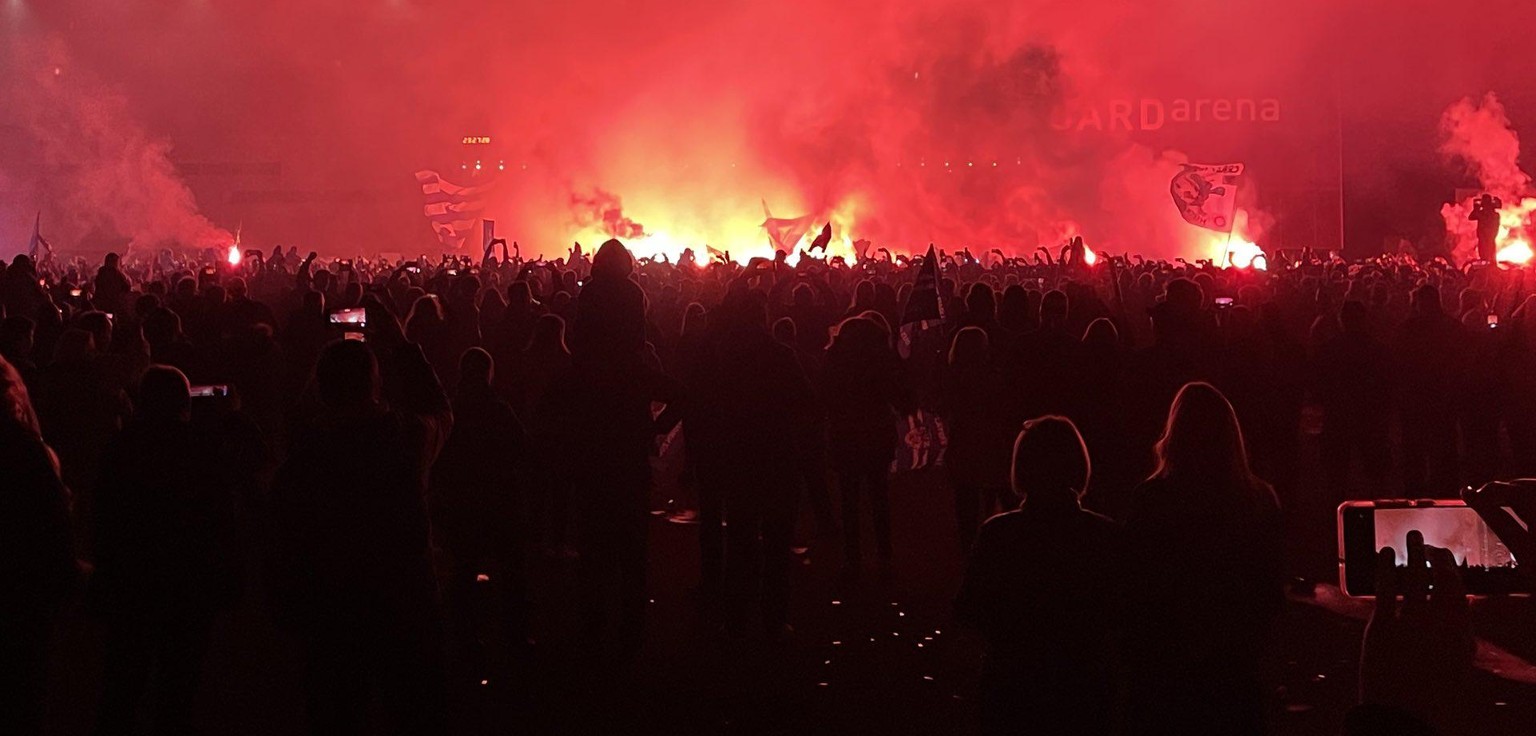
(1050,462)
(1183,296)
(694,319)
(1425,301)
(1013,309)
(548,335)
(981,302)
(1203,441)
(970,348)
(859,335)
(314,302)
(99,326)
(803,296)
(784,330)
(613,261)
(164,394)
(347,376)
(519,295)
(161,327)
(476,367)
(1053,308)
(73,347)
(1101,335)
(863,295)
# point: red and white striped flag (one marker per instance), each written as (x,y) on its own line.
(453,210)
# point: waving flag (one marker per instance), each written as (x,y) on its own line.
(1206,194)
(38,245)
(785,233)
(823,240)
(452,209)
(925,306)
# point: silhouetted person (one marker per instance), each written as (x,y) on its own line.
(1202,566)
(112,286)
(1485,212)
(1041,588)
(37,560)
(477,503)
(351,573)
(761,401)
(977,457)
(166,561)
(1431,355)
(1351,375)
(544,360)
(607,434)
(862,388)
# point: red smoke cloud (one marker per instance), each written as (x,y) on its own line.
(693,113)
(107,181)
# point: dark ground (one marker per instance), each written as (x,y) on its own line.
(876,659)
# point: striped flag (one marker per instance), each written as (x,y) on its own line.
(453,210)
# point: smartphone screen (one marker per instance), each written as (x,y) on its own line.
(203,392)
(356,316)
(1493,320)
(1487,567)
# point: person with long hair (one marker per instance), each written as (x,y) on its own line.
(1040,586)
(1203,576)
(971,404)
(862,388)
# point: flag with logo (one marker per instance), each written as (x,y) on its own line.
(923,439)
(1206,194)
(452,210)
(785,232)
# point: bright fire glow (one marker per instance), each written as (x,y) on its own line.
(742,237)
(1514,230)
(1517,251)
(1235,250)
(1089,257)
(234,255)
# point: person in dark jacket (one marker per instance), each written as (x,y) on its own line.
(863,389)
(1040,586)
(606,436)
(1203,577)
(166,562)
(477,503)
(351,572)
(972,407)
(761,403)
(37,562)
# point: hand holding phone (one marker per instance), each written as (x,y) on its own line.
(1418,645)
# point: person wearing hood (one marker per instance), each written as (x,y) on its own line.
(605,439)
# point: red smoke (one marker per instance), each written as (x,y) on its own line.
(691,114)
(1480,137)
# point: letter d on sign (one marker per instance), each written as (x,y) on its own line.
(1148,120)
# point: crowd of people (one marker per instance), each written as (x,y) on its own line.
(371,440)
